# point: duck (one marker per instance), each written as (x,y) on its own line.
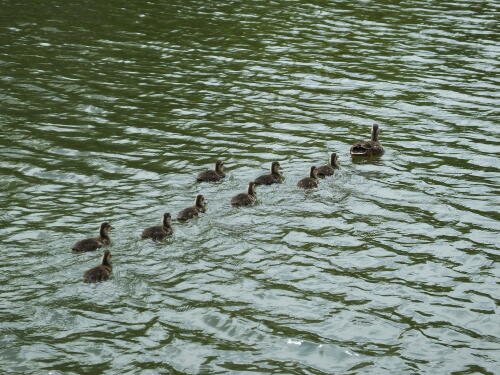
(190,212)
(368,148)
(274,178)
(327,170)
(311,181)
(92,244)
(101,272)
(245,199)
(212,175)
(159,232)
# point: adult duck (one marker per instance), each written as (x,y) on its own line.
(368,148)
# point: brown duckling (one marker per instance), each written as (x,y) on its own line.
(101,272)
(274,178)
(368,148)
(327,170)
(159,232)
(91,244)
(212,176)
(245,199)
(190,212)
(311,181)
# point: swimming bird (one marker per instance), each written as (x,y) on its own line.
(274,178)
(368,148)
(159,232)
(212,175)
(245,199)
(91,244)
(311,181)
(190,212)
(101,272)
(327,170)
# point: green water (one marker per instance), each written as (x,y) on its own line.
(109,110)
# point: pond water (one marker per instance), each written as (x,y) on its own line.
(110,110)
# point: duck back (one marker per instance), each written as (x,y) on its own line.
(368,148)
(88,244)
(325,170)
(210,176)
(97,274)
(187,213)
(268,179)
(242,200)
(308,183)
(157,232)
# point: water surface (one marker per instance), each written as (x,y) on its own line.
(108,112)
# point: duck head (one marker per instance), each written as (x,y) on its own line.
(219,166)
(275,168)
(251,188)
(167,219)
(375,133)
(200,202)
(333,159)
(314,172)
(106,258)
(105,228)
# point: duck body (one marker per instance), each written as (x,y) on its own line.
(212,175)
(193,211)
(268,179)
(310,182)
(368,148)
(329,169)
(275,177)
(325,170)
(88,244)
(243,199)
(159,232)
(101,272)
(92,244)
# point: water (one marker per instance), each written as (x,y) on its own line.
(108,112)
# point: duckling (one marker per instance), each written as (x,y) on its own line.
(190,212)
(101,272)
(368,148)
(327,170)
(212,176)
(274,178)
(243,199)
(311,181)
(91,244)
(159,232)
